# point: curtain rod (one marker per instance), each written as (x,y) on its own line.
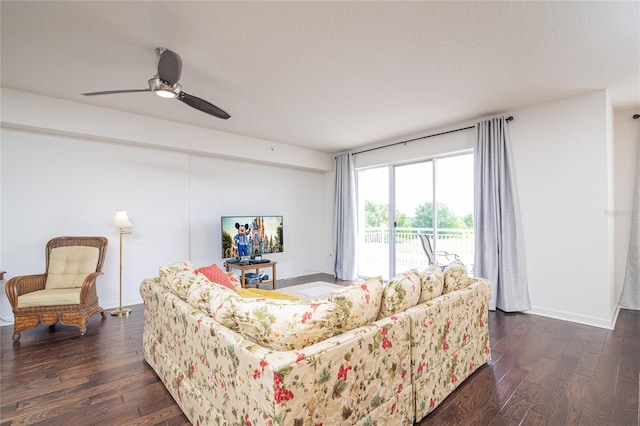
(421,137)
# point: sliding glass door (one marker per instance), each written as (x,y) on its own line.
(373,222)
(396,203)
(413,199)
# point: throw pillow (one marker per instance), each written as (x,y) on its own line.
(359,303)
(455,276)
(400,293)
(168,273)
(285,325)
(215,275)
(431,282)
(235,280)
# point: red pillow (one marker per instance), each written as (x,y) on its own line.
(215,275)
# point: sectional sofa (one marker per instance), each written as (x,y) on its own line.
(371,354)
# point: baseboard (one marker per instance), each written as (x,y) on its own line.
(608,323)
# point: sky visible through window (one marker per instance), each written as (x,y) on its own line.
(455,185)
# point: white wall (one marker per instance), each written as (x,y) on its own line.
(562,163)
(626,140)
(569,181)
(458,141)
(69,183)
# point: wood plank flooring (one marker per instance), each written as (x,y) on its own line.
(542,372)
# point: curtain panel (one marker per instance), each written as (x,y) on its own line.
(499,248)
(631,291)
(345,220)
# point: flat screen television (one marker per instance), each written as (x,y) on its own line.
(251,235)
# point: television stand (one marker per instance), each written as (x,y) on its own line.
(254,267)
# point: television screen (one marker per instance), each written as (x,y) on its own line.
(251,235)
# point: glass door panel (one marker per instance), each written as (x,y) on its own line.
(373,222)
(413,200)
(454,195)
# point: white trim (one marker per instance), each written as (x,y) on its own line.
(608,323)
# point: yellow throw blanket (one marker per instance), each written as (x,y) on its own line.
(258,292)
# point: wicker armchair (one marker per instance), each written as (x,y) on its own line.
(66,292)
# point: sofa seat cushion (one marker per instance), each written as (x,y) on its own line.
(50,297)
(69,266)
(359,303)
(284,325)
(431,283)
(455,277)
(400,293)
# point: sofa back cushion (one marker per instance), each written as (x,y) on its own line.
(168,273)
(182,281)
(69,266)
(400,293)
(359,303)
(431,283)
(455,277)
(198,294)
(220,307)
(284,325)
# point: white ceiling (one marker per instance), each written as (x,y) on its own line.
(326,75)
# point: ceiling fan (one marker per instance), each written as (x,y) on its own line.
(165,84)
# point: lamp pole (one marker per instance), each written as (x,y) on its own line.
(126,311)
(121,219)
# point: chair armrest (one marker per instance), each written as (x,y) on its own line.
(24,284)
(88,287)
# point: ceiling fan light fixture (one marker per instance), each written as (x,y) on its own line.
(163,89)
(167,94)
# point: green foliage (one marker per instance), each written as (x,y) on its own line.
(446,217)
(377,215)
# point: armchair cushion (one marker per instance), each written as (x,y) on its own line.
(69,266)
(50,297)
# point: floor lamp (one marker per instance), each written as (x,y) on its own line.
(120,219)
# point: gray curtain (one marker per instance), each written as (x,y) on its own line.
(631,291)
(344,220)
(499,250)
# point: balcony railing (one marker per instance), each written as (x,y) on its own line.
(374,249)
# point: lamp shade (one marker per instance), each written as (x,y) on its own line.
(120,218)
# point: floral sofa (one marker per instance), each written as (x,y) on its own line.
(371,354)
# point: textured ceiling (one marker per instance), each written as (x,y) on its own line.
(326,75)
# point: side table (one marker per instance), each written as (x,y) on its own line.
(243,267)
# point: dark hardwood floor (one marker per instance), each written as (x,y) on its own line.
(543,372)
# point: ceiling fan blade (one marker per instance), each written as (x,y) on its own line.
(111,92)
(169,67)
(203,105)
